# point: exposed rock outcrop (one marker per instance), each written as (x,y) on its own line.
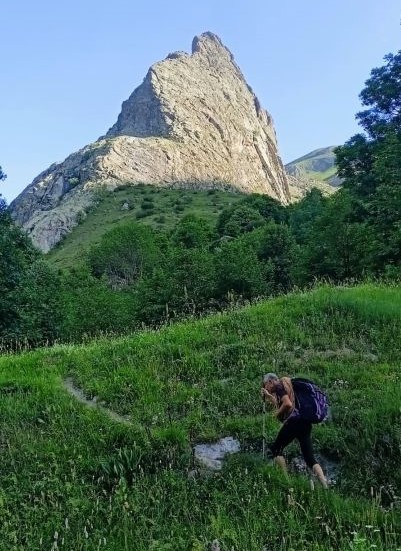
(194,121)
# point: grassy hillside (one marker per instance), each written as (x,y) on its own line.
(317,165)
(73,478)
(159,207)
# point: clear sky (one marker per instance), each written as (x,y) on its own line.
(66,66)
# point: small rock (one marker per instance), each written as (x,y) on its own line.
(211,455)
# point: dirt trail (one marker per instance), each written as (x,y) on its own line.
(79,395)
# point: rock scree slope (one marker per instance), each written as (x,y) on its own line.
(194,122)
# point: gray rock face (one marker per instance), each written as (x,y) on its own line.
(194,121)
(211,455)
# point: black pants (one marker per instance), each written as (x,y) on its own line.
(299,429)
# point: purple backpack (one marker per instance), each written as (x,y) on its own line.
(311,402)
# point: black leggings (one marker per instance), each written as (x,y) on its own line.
(299,429)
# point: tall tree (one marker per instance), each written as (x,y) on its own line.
(370,163)
(16,255)
(382,96)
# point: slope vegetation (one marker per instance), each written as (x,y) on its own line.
(72,477)
(159,207)
(318,165)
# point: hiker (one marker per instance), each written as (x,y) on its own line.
(296,424)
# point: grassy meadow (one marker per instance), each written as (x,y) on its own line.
(73,478)
(159,207)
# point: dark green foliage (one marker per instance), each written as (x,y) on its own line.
(266,206)
(238,219)
(30,306)
(249,213)
(238,270)
(16,255)
(371,166)
(124,254)
(355,162)
(143,213)
(339,247)
(275,246)
(148,204)
(382,94)
(2,175)
(192,231)
(303,214)
(184,284)
(90,307)
(40,306)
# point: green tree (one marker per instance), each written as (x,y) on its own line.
(90,307)
(385,205)
(382,96)
(39,304)
(304,213)
(125,254)
(357,159)
(192,232)
(266,206)
(2,175)
(185,284)
(238,219)
(16,256)
(370,163)
(239,270)
(276,248)
(339,247)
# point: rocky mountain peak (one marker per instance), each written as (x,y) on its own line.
(151,110)
(194,121)
(210,46)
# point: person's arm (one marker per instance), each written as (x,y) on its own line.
(285,407)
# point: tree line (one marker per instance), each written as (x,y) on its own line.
(140,276)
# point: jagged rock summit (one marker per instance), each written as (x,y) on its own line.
(194,121)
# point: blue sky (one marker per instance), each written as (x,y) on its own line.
(66,67)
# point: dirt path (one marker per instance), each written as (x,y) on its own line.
(79,395)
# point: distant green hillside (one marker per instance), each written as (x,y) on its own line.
(75,477)
(159,207)
(317,165)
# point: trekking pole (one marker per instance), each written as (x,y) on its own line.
(264,429)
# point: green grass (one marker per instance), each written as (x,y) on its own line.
(169,205)
(71,475)
(306,164)
(325,175)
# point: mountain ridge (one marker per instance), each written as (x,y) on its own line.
(194,121)
(317,165)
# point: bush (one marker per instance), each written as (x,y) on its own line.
(147,204)
(125,254)
(144,213)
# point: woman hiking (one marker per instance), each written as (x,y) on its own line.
(297,417)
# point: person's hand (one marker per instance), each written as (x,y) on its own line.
(265,394)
